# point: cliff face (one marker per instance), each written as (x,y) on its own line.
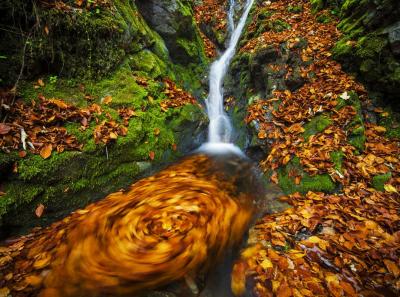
(133,59)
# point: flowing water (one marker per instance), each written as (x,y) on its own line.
(220,128)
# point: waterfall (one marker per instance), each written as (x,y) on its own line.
(220,127)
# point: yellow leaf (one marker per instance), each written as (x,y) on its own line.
(107,100)
(389,188)
(266,263)
(4,292)
(113,135)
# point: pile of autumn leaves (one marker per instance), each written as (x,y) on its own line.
(39,127)
(344,244)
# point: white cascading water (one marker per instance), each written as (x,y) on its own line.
(220,128)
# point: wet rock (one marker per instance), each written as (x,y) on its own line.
(174,22)
(394,38)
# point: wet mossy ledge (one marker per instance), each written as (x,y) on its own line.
(98,52)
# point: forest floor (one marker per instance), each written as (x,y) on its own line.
(340,244)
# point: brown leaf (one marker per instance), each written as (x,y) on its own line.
(39,210)
(4,129)
(174,147)
(46,30)
(40,82)
(22,154)
(46,150)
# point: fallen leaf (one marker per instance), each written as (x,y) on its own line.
(42,261)
(22,154)
(156,131)
(4,129)
(151,155)
(266,263)
(46,150)
(392,267)
(238,279)
(33,280)
(389,188)
(39,210)
(113,135)
(40,82)
(107,100)
(4,292)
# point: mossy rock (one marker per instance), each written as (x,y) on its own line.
(316,125)
(72,179)
(379,181)
(77,43)
(369,46)
(318,183)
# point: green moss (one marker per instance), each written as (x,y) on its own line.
(17,194)
(317,5)
(324,18)
(378,181)
(370,46)
(342,48)
(322,183)
(316,125)
(149,63)
(391,121)
(295,8)
(278,26)
(356,128)
(337,160)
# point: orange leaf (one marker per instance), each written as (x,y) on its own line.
(392,267)
(107,100)
(45,152)
(59,103)
(151,155)
(22,154)
(39,210)
(174,147)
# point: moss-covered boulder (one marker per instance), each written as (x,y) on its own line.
(370,46)
(173,20)
(83,52)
